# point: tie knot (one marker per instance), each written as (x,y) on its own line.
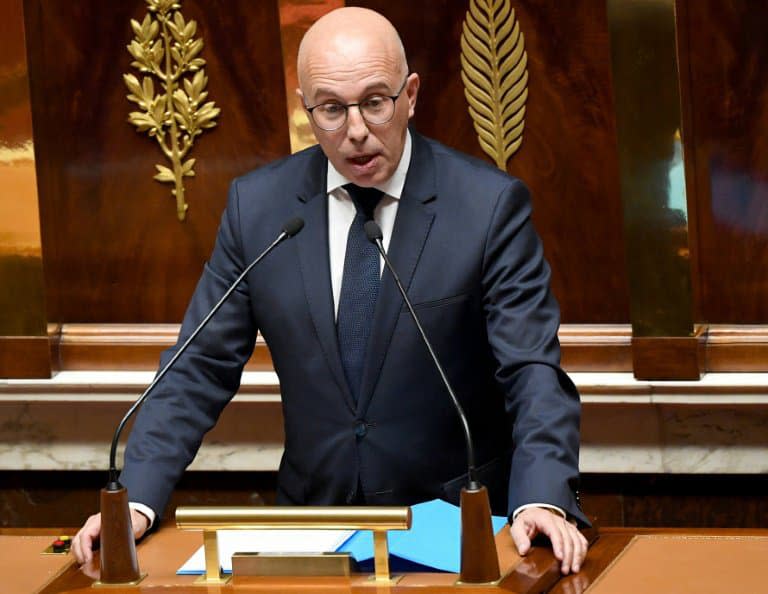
(365,199)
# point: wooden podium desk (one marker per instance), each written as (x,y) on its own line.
(621,561)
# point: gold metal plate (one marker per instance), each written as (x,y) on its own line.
(100,584)
(292,564)
(205,581)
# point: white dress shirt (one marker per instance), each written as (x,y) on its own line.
(341,213)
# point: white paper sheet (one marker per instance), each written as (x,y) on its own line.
(267,541)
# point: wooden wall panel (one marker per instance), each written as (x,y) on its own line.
(67,498)
(727,53)
(114,250)
(568,156)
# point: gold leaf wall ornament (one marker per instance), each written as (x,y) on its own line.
(165,51)
(495,75)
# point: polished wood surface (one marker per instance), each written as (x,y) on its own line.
(670,357)
(726,51)
(696,564)
(23,566)
(91,347)
(568,155)
(25,357)
(737,348)
(584,347)
(113,248)
(114,253)
(22,294)
(161,553)
(614,541)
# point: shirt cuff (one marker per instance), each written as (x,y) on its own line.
(552,508)
(144,509)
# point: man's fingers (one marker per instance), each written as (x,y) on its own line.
(581,551)
(568,544)
(522,532)
(139,523)
(575,541)
(82,544)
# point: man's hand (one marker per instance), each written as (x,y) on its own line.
(568,544)
(82,544)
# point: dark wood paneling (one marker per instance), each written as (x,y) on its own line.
(67,498)
(114,250)
(568,156)
(695,501)
(669,357)
(25,357)
(727,55)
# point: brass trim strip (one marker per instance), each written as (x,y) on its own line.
(652,171)
(22,289)
(299,517)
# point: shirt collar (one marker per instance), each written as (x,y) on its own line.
(392,187)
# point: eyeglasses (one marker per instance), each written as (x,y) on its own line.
(374,109)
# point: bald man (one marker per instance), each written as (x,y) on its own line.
(367,418)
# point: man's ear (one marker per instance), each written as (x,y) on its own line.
(412,90)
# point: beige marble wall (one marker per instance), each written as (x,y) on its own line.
(718,425)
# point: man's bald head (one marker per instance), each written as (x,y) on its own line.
(351,62)
(350,34)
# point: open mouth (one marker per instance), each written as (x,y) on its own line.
(362,160)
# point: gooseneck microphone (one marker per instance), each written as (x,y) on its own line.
(479,560)
(118,549)
(289,229)
(373,232)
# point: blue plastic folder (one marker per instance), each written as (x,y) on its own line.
(432,543)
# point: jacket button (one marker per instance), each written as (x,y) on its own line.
(361,429)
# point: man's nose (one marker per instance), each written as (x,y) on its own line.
(357,129)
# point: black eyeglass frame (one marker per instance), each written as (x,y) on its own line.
(346,107)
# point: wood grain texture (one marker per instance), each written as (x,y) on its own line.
(726,51)
(25,357)
(138,347)
(669,357)
(114,251)
(568,156)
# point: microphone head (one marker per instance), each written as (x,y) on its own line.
(373,231)
(292,227)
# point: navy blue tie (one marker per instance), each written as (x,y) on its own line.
(359,288)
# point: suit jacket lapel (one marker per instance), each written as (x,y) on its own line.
(315,267)
(409,235)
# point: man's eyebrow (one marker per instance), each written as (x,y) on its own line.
(377,87)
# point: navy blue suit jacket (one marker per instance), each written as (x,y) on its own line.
(464,247)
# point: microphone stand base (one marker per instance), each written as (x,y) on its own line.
(479,559)
(119,565)
(100,584)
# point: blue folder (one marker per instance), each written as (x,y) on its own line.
(432,543)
